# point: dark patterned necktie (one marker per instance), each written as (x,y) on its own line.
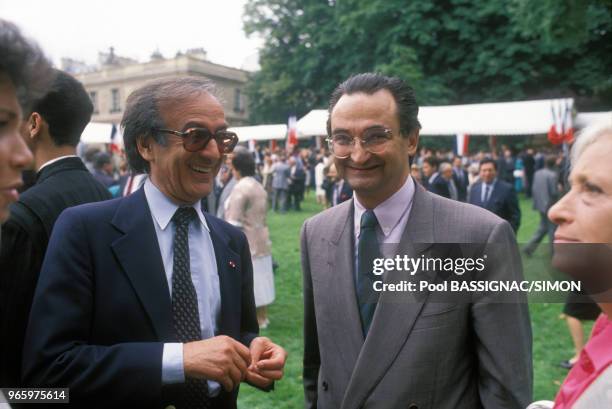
(367,251)
(185,305)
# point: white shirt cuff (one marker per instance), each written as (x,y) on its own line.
(172,364)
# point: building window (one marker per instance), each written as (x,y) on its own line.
(94,100)
(115,105)
(238,100)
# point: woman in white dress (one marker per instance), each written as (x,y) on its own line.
(246,209)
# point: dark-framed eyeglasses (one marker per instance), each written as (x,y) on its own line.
(196,139)
(373,140)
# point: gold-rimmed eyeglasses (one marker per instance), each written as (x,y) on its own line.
(373,140)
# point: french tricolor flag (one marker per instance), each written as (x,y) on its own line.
(463,141)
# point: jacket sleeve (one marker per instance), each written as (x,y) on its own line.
(514,211)
(502,329)
(57,352)
(312,360)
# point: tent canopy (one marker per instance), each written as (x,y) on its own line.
(590,118)
(97,132)
(260,132)
(501,118)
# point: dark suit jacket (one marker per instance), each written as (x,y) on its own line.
(346,192)
(461,183)
(25,236)
(102,308)
(503,202)
(439,186)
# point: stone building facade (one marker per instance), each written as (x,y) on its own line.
(110,84)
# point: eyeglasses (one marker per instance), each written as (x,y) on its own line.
(373,140)
(196,139)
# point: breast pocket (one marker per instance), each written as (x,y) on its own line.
(435,315)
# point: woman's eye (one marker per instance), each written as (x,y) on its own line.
(591,188)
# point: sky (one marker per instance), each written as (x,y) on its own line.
(79,29)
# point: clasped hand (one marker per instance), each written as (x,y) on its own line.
(227,361)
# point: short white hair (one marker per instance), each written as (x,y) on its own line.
(587,137)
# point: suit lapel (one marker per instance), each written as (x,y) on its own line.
(339,289)
(138,253)
(229,279)
(395,313)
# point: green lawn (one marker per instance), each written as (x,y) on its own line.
(552,343)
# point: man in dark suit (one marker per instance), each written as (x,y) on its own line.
(52,131)
(461,179)
(146,301)
(496,195)
(433,180)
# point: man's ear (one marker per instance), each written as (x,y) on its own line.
(144,148)
(35,125)
(412,141)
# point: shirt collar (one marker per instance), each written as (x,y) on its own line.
(389,212)
(55,160)
(433,177)
(162,208)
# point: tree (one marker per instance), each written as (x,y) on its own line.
(450,51)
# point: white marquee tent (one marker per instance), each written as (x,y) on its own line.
(260,132)
(502,118)
(98,132)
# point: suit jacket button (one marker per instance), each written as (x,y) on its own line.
(325,386)
(413,406)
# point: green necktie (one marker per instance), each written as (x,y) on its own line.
(367,251)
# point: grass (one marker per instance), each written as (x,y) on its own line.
(551,340)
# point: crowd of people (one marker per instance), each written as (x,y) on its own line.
(155,298)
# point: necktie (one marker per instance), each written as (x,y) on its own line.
(185,304)
(487,193)
(367,251)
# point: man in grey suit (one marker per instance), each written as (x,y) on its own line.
(398,351)
(545,193)
(280,183)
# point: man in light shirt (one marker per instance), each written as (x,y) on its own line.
(380,350)
(147,301)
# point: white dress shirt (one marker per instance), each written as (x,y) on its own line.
(204,274)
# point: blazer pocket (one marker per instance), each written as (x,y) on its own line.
(436,315)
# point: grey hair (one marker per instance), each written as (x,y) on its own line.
(445,166)
(142,118)
(587,137)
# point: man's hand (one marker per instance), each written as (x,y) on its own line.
(221,359)
(267,362)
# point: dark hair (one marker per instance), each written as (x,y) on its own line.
(243,162)
(369,83)
(24,64)
(551,161)
(141,118)
(66,108)
(432,161)
(101,159)
(487,160)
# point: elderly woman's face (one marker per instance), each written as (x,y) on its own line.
(584,214)
(14,154)
(583,239)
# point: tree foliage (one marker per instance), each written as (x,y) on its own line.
(450,51)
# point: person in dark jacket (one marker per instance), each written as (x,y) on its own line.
(496,195)
(52,130)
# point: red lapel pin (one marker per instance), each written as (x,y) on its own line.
(232,264)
